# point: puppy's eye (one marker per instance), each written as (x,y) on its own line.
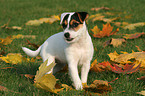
(75,25)
(64,25)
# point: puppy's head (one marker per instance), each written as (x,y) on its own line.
(73,25)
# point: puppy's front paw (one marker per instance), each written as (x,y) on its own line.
(79,86)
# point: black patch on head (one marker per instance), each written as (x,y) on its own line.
(79,16)
(65,19)
(83,15)
(75,17)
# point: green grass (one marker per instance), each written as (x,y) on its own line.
(21,11)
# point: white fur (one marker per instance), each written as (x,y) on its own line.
(79,51)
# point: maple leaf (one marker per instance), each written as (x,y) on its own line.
(13,58)
(98,67)
(133,26)
(106,31)
(127,69)
(133,36)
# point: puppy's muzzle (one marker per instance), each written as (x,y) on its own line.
(67,36)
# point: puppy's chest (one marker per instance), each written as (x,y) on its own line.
(81,52)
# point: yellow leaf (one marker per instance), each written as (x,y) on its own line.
(34,22)
(43,69)
(6,41)
(133,26)
(117,42)
(126,58)
(93,16)
(113,56)
(51,19)
(16,27)
(46,82)
(13,58)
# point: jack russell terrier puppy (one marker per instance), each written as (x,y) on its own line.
(73,46)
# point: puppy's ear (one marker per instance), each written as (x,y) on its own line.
(82,16)
(62,17)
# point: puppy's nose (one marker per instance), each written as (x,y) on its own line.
(67,35)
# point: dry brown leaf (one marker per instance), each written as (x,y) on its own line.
(99,86)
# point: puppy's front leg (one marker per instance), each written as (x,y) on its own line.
(84,71)
(73,71)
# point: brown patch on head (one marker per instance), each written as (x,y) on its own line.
(73,21)
(75,25)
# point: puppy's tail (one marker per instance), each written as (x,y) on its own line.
(30,52)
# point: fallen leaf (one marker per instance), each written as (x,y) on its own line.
(99,8)
(133,36)
(99,67)
(9,39)
(43,69)
(99,86)
(109,20)
(6,41)
(141,93)
(46,81)
(34,23)
(114,42)
(133,26)
(106,31)
(127,69)
(94,16)
(16,27)
(132,58)
(51,19)
(117,42)
(13,58)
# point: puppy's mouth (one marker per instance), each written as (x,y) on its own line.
(69,39)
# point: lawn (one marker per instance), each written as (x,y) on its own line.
(18,12)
